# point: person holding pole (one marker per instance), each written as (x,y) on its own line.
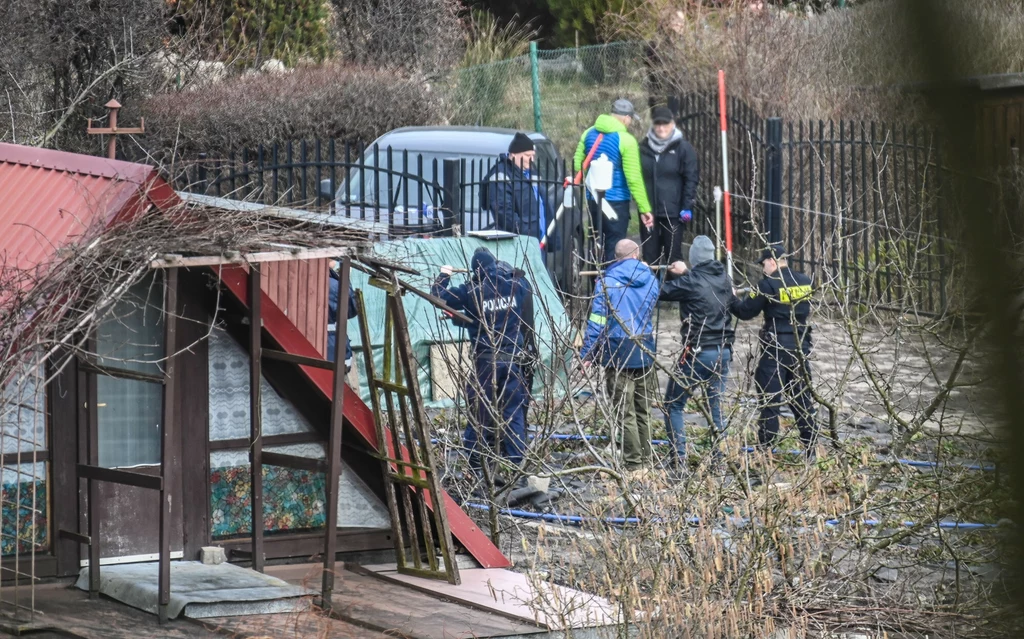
(620,338)
(613,140)
(671,173)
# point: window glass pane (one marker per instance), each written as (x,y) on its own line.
(129,414)
(132,336)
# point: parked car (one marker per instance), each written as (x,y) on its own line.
(400,178)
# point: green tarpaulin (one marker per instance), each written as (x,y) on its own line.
(426,326)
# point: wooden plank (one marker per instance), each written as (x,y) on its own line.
(268,440)
(311,544)
(397,610)
(334,444)
(510,593)
(169,460)
(193,375)
(294,461)
(234,257)
(302,284)
(92,487)
(255,416)
(119,373)
(120,477)
(321,295)
(301,360)
(62,403)
(75,537)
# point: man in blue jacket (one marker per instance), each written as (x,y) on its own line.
(620,338)
(493,299)
(512,193)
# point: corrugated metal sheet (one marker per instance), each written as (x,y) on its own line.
(50,198)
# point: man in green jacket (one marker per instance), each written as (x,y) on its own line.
(622,150)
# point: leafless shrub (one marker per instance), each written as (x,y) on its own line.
(328,101)
(853,542)
(854,63)
(423,36)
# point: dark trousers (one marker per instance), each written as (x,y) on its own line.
(663,243)
(609,231)
(497,401)
(784,375)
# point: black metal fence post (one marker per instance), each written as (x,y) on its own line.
(773,179)
(451,195)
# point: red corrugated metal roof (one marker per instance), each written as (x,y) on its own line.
(52,198)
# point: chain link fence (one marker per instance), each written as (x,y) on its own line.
(558,92)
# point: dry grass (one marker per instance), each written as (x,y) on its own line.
(853,63)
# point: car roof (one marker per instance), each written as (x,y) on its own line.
(457,140)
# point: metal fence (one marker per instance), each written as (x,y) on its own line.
(859,204)
(396,193)
(558,92)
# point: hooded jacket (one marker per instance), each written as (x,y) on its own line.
(620,333)
(705,295)
(333,299)
(493,299)
(621,148)
(514,199)
(670,176)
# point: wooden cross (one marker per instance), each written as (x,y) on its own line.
(113,107)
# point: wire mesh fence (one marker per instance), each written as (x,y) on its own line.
(573,87)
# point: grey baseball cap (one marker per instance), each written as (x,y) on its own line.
(622,106)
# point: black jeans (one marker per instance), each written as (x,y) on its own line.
(784,375)
(610,231)
(663,243)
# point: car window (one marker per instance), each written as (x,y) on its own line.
(385,180)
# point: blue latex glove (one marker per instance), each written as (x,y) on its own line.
(685,215)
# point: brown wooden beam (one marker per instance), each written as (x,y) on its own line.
(294,461)
(117,476)
(301,360)
(120,373)
(74,536)
(311,544)
(255,416)
(11,459)
(268,440)
(236,257)
(334,437)
(92,487)
(168,461)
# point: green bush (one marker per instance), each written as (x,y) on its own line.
(253,31)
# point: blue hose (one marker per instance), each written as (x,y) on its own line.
(624,521)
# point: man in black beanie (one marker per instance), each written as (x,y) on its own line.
(511,193)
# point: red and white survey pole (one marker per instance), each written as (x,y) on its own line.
(725,171)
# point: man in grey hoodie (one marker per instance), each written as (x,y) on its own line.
(704,293)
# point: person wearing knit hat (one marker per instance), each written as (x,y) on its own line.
(511,195)
(671,173)
(705,293)
(783,372)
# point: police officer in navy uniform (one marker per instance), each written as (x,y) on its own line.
(493,299)
(783,372)
(333,300)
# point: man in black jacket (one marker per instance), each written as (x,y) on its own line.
(511,193)
(783,370)
(671,172)
(704,293)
